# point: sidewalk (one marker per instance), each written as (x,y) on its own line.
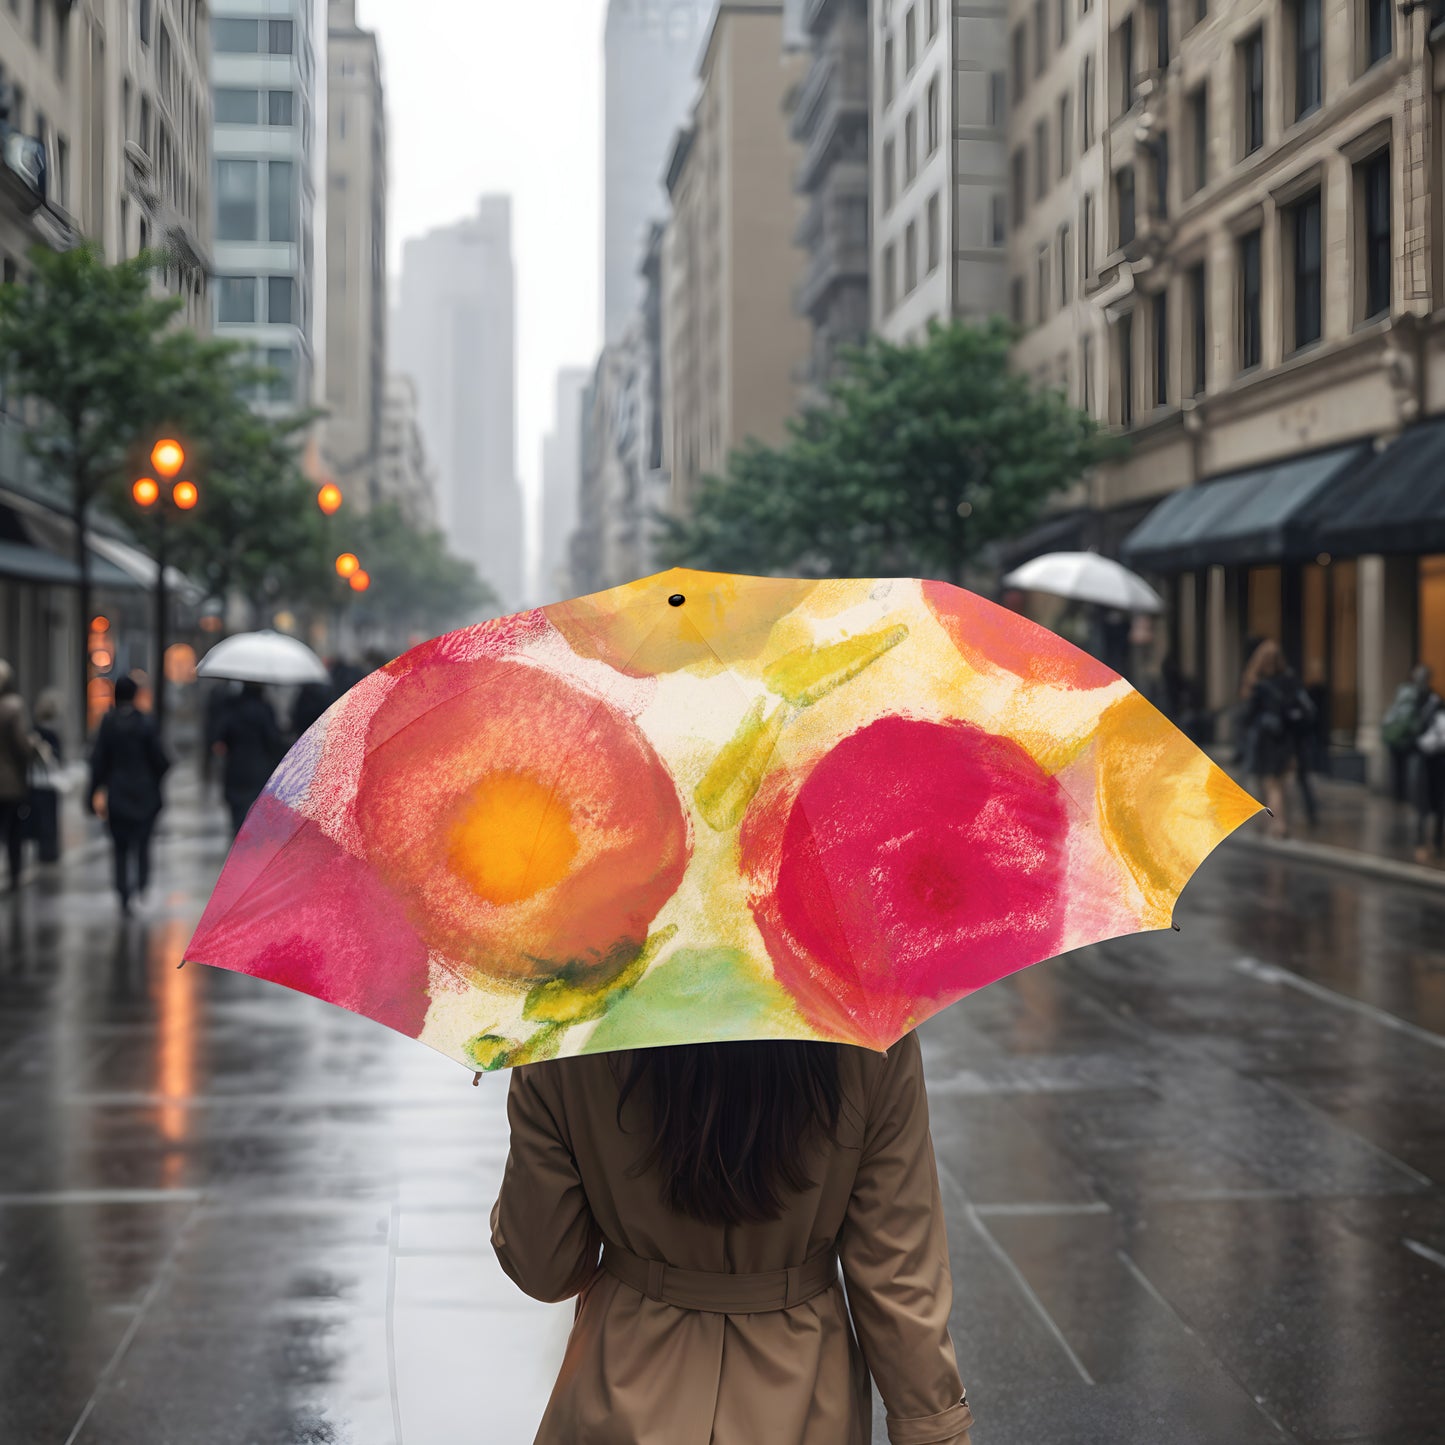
(1357,829)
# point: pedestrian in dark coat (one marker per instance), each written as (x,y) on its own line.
(312,700)
(250,740)
(1275,712)
(17,751)
(45,777)
(127,764)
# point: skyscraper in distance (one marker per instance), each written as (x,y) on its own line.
(650,50)
(561,477)
(456,338)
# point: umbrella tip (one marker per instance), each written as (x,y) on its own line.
(476,1079)
(1269,812)
(1175,926)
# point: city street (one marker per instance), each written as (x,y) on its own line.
(1196,1184)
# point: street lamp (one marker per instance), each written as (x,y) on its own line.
(360,580)
(347,565)
(329,499)
(167,457)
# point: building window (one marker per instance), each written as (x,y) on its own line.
(1041,36)
(281,108)
(1201,10)
(997,220)
(1159,325)
(1124,339)
(279,37)
(1041,159)
(935,121)
(935,233)
(1017,181)
(1041,271)
(910,258)
(1198,329)
(910,40)
(1016,300)
(1308,263)
(1307,57)
(235,300)
(1066,265)
(890,279)
(890,176)
(932,18)
(996,102)
(231,37)
(1066,133)
(1251,75)
(281,300)
(1019,54)
(1160,9)
(1086,235)
(280,201)
(1124,204)
(236,107)
(1374,203)
(1124,47)
(1199,138)
(281,362)
(1249,318)
(1379,30)
(888,68)
(37,23)
(1064,21)
(910,147)
(1161,174)
(1086,373)
(238,204)
(62,169)
(1086,104)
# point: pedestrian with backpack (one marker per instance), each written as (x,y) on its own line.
(1274,720)
(1430,781)
(1400,729)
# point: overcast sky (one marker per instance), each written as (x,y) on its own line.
(504,95)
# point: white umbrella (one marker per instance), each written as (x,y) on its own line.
(263,657)
(1086,577)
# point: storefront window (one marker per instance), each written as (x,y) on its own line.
(1266,611)
(1432,615)
(1314,662)
(1344,651)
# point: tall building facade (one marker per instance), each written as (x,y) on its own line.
(561,479)
(732,343)
(1261,257)
(356,304)
(263,73)
(830,124)
(456,337)
(650,50)
(938,152)
(404,475)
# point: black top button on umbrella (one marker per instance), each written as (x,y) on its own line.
(676,600)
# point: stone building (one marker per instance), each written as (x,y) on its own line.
(829,111)
(1261,244)
(731,340)
(937,123)
(404,473)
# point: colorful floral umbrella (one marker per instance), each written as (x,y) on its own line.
(710,807)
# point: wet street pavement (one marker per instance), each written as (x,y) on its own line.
(1196,1185)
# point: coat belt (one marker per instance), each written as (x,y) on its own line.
(718,1292)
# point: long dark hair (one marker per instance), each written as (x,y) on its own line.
(727,1122)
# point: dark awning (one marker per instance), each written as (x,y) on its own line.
(1061,532)
(1260,515)
(32,551)
(1395,502)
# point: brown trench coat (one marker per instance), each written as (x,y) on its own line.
(639,1371)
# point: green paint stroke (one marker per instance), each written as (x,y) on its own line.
(723,795)
(566,1000)
(699,993)
(807,674)
(488,1051)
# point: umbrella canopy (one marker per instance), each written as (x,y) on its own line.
(1086,577)
(706,807)
(270,657)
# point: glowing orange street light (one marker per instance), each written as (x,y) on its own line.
(100,624)
(146,490)
(167,457)
(329,498)
(360,581)
(185,495)
(347,564)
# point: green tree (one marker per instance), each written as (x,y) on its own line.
(89,345)
(919,457)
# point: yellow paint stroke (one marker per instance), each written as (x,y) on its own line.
(561,1001)
(512,840)
(808,674)
(726,789)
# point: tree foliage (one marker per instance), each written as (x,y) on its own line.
(919,458)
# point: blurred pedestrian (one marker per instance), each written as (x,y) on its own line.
(1401,727)
(127,764)
(723,1185)
(218,699)
(312,699)
(1430,782)
(47,775)
(17,751)
(1276,715)
(249,740)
